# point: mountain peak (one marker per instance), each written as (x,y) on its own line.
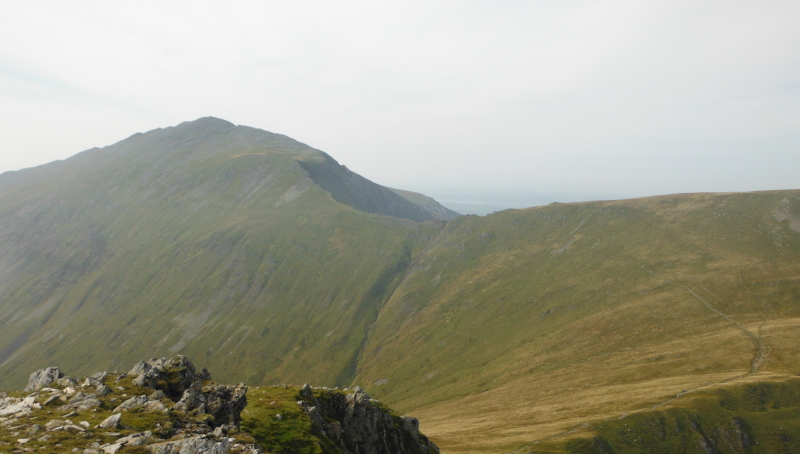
(208,121)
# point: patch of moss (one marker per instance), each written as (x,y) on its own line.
(288,434)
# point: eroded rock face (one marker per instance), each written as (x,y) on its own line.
(192,445)
(131,403)
(224,403)
(11,406)
(173,376)
(112,422)
(81,401)
(203,418)
(360,426)
(42,378)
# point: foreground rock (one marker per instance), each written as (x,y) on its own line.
(180,408)
(42,378)
(167,406)
(172,376)
(356,424)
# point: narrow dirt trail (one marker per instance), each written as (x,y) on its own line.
(759,357)
(760,351)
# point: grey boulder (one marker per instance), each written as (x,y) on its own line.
(42,378)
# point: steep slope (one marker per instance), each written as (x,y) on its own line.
(271,263)
(438,210)
(356,191)
(207,239)
(560,315)
(752,418)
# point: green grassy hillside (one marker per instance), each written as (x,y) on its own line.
(754,418)
(521,325)
(266,260)
(206,239)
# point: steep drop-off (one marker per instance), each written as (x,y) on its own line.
(271,263)
(208,239)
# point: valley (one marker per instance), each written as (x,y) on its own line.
(525,330)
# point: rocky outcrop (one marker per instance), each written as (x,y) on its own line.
(172,376)
(112,422)
(198,416)
(12,406)
(133,402)
(42,378)
(199,445)
(165,406)
(224,403)
(357,424)
(82,401)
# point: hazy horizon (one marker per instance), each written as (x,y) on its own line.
(515,101)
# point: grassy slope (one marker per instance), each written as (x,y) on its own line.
(230,256)
(504,329)
(562,314)
(754,418)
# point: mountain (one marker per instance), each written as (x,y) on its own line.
(527,324)
(271,263)
(203,238)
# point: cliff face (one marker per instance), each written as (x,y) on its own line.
(357,424)
(166,406)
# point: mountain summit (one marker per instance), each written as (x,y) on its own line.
(193,232)
(272,264)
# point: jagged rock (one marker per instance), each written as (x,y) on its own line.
(173,376)
(316,416)
(112,422)
(91,382)
(141,367)
(198,445)
(133,402)
(136,439)
(102,390)
(73,428)
(192,401)
(42,378)
(359,425)
(12,406)
(100,376)
(225,403)
(81,401)
(247,449)
(306,392)
(112,448)
(53,423)
(67,382)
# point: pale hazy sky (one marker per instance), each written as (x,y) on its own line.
(613,97)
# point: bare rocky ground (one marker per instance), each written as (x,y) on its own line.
(166,406)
